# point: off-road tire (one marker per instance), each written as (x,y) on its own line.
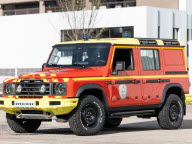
(171,114)
(22,126)
(89,117)
(112,122)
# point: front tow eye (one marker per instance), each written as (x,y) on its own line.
(48,114)
(18,113)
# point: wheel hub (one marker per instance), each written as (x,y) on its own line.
(174,112)
(89,116)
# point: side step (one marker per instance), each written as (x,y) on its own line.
(141,113)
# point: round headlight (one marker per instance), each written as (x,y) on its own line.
(9,88)
(42,89)
(19,89)
(60,89)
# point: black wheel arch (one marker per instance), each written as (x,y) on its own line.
(92,89)
(173,88)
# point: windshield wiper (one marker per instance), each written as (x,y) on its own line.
(82,66)
(77,65)
(55,65)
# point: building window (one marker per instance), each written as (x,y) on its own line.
(175,33)
(116,32)
(20,9)
(150,59)
(51,6)
(124,55)
(188,39)
(159,32)
(62,35)
(118,3)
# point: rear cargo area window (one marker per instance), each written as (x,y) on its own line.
(150,59)
(173,57)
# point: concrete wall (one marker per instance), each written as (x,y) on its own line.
(185,5)
(26,40)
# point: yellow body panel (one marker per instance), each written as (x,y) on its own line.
(66,106)
(188,99)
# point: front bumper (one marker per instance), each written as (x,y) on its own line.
(188,99)
(64,106)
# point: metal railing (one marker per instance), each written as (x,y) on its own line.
(21,11)
(128,3)
(15,72)
(115,4)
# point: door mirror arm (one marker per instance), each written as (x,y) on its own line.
(43,65)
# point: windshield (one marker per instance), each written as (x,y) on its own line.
(79,55)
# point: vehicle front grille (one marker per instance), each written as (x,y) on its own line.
(32,87)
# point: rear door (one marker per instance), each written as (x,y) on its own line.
(126,89)
(151,74)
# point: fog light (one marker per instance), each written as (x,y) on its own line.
(42,89)
(19,89)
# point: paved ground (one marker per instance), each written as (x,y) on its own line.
(131,131)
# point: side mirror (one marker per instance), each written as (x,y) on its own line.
(44,64)
(120,66)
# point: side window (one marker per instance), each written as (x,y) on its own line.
(124,55)
(150,59)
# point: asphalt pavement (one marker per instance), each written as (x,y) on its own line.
(132,131)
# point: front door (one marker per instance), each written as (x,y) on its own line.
(126,89)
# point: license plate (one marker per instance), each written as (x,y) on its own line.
(24,104)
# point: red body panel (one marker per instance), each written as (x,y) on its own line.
(142,93)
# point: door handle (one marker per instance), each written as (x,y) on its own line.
(136,81)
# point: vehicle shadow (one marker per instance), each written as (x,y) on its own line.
(131,127)
(143,126)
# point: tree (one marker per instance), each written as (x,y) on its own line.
(81,17)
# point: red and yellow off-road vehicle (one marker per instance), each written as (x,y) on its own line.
(95,83)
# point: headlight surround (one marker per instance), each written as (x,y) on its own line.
(60,88)
(9,88)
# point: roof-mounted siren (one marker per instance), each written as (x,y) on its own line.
(171,43)
(85,37)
